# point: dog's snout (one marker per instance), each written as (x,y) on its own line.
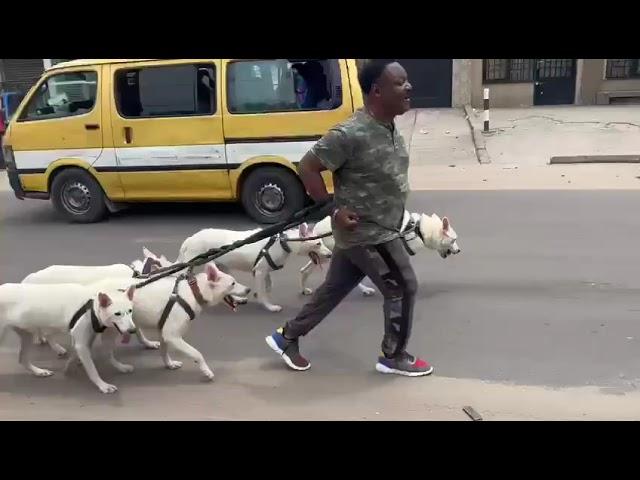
(131,330)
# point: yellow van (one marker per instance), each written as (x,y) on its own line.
(95,134)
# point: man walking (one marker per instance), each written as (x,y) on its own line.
(370,163)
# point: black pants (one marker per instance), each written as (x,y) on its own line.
(388,266)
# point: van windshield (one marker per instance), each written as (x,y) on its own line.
(63,95)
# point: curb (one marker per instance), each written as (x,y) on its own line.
(478,140)
(594,159)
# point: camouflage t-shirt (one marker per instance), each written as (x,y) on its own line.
(370,164)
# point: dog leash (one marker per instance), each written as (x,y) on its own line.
(293,221)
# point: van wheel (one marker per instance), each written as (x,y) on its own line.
(272,194)
(77,196)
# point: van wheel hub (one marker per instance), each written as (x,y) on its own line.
(270,198)
(76,197)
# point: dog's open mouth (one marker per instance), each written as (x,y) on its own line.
(231,303)
(315,258)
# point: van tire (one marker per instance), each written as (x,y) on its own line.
(272,194)
(78,197)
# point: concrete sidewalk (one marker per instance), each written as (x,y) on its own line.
(438,137)
(532,136)
(242,391)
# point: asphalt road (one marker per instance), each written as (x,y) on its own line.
(546,292)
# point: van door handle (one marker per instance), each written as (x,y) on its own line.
(92,126)
(128,135)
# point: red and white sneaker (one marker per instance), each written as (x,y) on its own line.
(404,364)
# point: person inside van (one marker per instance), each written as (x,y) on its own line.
(319,97)
(300,84)
(311,86)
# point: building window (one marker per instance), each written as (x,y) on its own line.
(623,68)
(173,91)
(63,95)
(507,70)
(283,85)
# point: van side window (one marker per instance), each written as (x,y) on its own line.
(283,85)
(171,91)
(62,95)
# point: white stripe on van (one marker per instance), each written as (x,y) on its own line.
(40,159)
(163,156)
(238,153)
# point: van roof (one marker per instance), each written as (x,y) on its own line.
(96,61)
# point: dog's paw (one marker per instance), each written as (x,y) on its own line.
(368,292)
(41,372)
(174,365)
(61,352)
(274,308)
(125,368)
(208,375)
(307,291)
(152,345)
(107,388)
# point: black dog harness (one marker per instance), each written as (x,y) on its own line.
(264,253)
(95,323)
(412,227)
(175,298)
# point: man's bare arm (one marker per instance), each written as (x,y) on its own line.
(311,169)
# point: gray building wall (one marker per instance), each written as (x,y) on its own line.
(592,87)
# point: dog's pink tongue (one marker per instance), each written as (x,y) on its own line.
(126,338)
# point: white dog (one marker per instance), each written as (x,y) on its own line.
(261,258)
(96,274)
(84,275)
(170,304)
(420,231)
(76,309)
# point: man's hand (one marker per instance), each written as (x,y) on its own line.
(345,218)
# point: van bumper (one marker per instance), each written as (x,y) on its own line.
(16,185)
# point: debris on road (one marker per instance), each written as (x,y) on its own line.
(470,411)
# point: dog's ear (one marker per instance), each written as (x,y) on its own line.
(130,291)
(104,300)
(212,272)
(445,224)
(303,230)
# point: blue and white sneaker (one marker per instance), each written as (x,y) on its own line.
(288,350)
